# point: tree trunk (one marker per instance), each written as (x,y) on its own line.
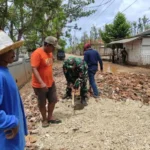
(20,33)
(11,30)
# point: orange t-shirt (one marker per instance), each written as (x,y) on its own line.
(43,62)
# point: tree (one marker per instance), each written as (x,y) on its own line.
(80,48)
(94,33)
(85,37)
(3,13)
(34,20)
(144,20)
(119,29)
(106,34)
(140,26)
(74,9)
(26,15)
(134,27)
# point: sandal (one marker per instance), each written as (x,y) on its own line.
(45,124)
(56,121)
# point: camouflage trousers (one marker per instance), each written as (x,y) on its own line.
(83,89)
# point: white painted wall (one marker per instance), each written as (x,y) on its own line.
(21,71)
(145,52)
(134,52)
(107,51)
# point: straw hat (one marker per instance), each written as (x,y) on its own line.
(7,44)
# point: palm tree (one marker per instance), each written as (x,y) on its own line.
(135,27)
(140,26)
(144,19)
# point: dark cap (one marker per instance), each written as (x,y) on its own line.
(53,41)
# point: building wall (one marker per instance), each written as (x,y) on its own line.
(21,71)
(134,52)
(107,51)
(145,52)
(101,49)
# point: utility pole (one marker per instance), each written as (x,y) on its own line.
(84,38)
(74,43)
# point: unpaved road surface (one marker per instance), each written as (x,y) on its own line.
(116,68)
(102,125)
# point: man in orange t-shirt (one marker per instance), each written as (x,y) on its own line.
(42,79)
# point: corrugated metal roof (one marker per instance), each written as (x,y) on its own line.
(124,40)
(147,32)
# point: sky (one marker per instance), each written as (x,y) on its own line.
(106,13)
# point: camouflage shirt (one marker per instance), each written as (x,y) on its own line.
(75,70)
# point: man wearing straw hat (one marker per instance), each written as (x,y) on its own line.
(12,118)
(42,79)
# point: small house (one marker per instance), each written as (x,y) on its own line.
(138,48)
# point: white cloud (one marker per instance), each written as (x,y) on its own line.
(138,9)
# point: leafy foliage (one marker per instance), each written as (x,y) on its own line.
(33,20)
(85,37)
(120,28)
(94,33)
(107,35)
(140,26)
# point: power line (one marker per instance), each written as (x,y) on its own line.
(111,4)
(129,6)
(112,1)
(106,8)
(96,10)
(121,11)
(102,11)
(92,17)
(98,15)
(125,9)
(100,4)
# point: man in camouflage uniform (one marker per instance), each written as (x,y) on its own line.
(75,71)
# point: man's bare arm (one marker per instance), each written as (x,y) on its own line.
(38,77)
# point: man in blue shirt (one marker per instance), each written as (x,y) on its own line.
(13,126)
(92,57)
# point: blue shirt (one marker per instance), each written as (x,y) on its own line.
(92,57)
(11,112)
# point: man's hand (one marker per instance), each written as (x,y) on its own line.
(44,86)
(74,90)
(72,87)
(11,133)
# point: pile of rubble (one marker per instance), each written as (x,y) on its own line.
(60,80)
(31,108)
(118,87)
(124,86)
(32,115)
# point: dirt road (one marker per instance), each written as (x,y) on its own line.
(116,68)
(102,125)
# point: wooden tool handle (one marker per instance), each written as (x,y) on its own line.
(73,99)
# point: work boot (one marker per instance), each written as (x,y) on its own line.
(66,96)
(83,101)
